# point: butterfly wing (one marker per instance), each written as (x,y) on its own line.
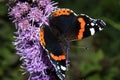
(74,27)
(55,52)
(63,21)
(88,26)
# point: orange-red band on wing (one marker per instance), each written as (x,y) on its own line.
(58,58)
(82,28)
(61,12)
(42,40)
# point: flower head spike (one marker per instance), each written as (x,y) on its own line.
(28,16)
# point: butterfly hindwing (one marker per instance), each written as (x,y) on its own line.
(55,51)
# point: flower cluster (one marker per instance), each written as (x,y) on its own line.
(28,16)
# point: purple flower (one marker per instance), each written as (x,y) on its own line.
(28,16)
(35,14)
(19,9)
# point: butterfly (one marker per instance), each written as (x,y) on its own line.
(66,26)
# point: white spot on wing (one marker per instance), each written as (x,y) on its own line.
(100,28)
(87,24)
(92,30)
(63,68)
(58,67)
(63,75)
(92,24)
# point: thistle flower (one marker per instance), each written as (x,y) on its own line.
(28,16)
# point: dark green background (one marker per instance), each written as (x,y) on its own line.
(93,58)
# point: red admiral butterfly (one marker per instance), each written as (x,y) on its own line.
(66,26)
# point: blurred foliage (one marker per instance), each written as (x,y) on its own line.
(9,64)
(93,58)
